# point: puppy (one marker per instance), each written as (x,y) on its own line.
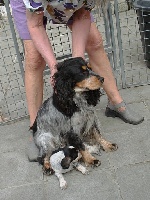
(68,117)
(63,160)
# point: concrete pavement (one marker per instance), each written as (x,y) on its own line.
(123,175)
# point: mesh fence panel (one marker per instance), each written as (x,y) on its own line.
(134,51)
(12,94)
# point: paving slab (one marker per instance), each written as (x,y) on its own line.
(34,191)
(134,181)
(133,147)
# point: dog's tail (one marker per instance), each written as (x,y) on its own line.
(34,127)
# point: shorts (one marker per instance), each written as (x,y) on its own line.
(19,15)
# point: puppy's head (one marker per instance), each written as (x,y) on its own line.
(71,154)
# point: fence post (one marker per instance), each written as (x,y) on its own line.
(121,59)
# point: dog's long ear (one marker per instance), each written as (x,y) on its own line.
(60,65)
(92,97)
(64,93)
(65,163)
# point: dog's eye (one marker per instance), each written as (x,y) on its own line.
(85,70)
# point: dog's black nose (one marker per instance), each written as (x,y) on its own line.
(101,79)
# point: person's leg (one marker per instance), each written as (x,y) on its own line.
(100,64)
(34,63)
(81,22)
(34,66)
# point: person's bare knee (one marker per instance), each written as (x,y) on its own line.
(95,41)
(34,66)
(33,59)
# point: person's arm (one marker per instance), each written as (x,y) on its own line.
(80,31)
(40,38)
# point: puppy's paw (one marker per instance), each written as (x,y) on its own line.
(85,171)
(63,184)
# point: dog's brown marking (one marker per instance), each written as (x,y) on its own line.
(84,67)
(47,170)
(91,83)
(46,163)
(106,146)
(89,66)
(89,159)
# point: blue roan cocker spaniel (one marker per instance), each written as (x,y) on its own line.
(68,117)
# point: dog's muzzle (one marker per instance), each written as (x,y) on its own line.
(94,74)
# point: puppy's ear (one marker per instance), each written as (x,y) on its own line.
(65,163)
(73,153)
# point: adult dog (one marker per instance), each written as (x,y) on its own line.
(68,117)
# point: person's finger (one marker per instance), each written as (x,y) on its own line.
(52,80)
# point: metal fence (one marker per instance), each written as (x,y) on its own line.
(123,44)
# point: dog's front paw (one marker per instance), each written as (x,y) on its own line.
(89,159)
(47,171)
(110,147)
(63,184)
(93,163)
(96,163)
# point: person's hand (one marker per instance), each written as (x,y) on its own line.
(52,80)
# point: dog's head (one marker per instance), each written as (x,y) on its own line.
(74,76)
(71,154)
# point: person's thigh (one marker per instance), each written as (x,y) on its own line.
(70,21)
(95,39)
